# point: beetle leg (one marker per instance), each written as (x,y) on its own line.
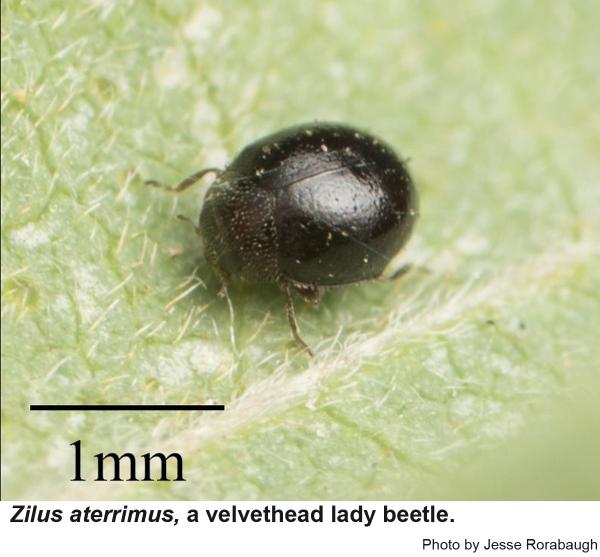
(183,218)
(224,278)
(406,269)
(185,184)
(310,293)
(291,315)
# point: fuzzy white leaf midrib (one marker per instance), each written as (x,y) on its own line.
(448,318)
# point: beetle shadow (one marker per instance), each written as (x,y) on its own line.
(259,309)
(252,311)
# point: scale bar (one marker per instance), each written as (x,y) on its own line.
(125,407)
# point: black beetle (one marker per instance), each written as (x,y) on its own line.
(314,205)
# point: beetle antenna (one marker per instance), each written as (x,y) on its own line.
(185,184)
(291,315)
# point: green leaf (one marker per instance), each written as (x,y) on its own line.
(416,383)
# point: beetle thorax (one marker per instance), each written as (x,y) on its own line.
(238,229)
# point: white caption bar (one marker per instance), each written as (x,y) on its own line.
(299,528)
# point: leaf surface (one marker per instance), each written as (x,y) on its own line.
(106,297)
